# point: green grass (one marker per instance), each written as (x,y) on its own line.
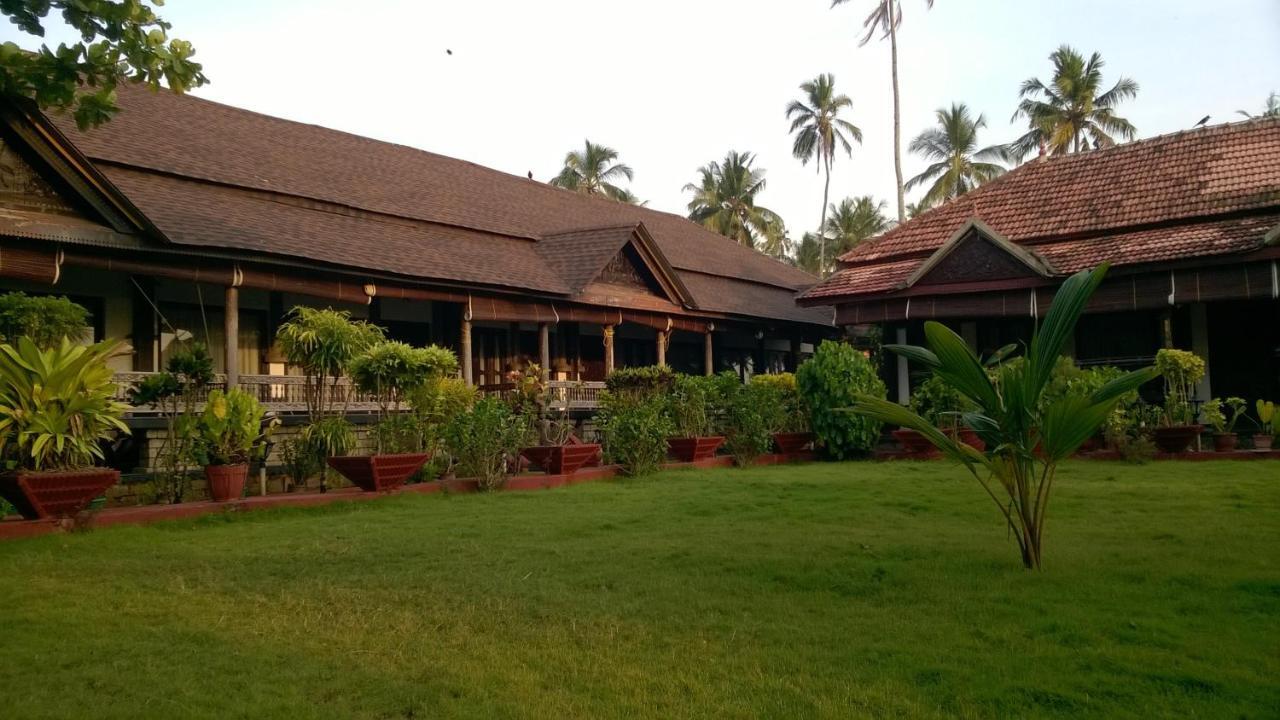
(842,590)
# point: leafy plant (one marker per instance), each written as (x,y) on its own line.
(688,404)
(329,437)
(301,462)
(650,380)
(635,429)
(485,442)
(174,393)
(939,403)
(1025,439)
(754,415)
(1266,416)
(792,414)
(390,371)
(324,344)
(45,320)
(832,380)
(56,405)
(1223,415)
(1182,370)
(230,428)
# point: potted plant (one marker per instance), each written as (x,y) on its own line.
(792,432)
(389,371)
(227,434)
(1182,371)
(56,405)
(485,442)
(174,394)
(554,452)
(1223,423)
(693,416)
(1266,419)
(937,401)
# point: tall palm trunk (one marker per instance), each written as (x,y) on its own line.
(897,114)
(822,225)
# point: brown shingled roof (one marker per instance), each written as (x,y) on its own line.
(1195,193)
(164,147)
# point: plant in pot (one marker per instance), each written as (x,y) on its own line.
(174,394)
(693,419)
(485,442)
(56,405)
(1221,416)
(830,382)
(389,371)
(634,422)
(942,405)
(435,404)
(1266,419)
(792,432)
(555,452)
(1182,371)
(754,413)
(229,434)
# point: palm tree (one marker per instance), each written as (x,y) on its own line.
(885,18)
(819,130)
(777,241)
(1067,113)
(957,166)
(1272,108)
(853,221)
(594,171)
(724,199)
(807,255)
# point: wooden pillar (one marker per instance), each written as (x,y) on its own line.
(795,354)
(904,376)
(608,349)
(1200,346)
(708,356)
(544,349)
(231,341)
(465,351)
(662,346)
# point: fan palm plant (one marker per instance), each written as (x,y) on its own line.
(724,199)
(957,166)
(1026,434)
(595,170)
(885,19)
(819,131)
(1065,114)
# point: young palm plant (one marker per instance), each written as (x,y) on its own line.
(1026,434)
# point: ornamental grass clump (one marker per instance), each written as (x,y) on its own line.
(1026,438)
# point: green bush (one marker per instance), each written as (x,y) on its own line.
(939,403)
(830,383)
(1182,371)
(645,381)
(635,428)
(46,320)
(792,414)
(690,407)
(755,412)
(485,442)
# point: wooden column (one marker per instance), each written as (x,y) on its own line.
(544,349)
(231,329)
(608,349)
(795,354)
(708,357)
(904,376)
(465,351)
(662,346)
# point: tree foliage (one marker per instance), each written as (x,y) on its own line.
(956,164)
(120,41)
(1071,110)
(724,199)
(45,320)
(595,170)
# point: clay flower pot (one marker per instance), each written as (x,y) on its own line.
(965,435)
(1176,438)
(1224,442)
(38,495)
(789,443)
(1262,443)
(378,473)
(915,444)
(226,482)
(690,449)
(561,459)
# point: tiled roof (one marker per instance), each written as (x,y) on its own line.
(181,139)
(1194,193)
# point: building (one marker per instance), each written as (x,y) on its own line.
(187,218)
(1190,223)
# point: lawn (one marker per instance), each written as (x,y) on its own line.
(828,590)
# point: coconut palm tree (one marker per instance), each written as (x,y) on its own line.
(885,18)
(1069,112)
(1272,108)
(595,171)
(724,199)
(807,255)
(957,165)
(776,242)
(853,221)
(819,130)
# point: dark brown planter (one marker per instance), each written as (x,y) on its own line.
(561,459)
(789,443)
(378,473)
(1089,445)
(1262,442)
(38,495)
(691,449)
(1177,438)
(226,482)
(1224,442)
(967,436)
(915,444)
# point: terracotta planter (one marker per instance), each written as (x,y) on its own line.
(561,459)
(915,444)
(789,443)
(966,436)
(690,449)
(378,473)
(1224,442)
(226,482)
(1089,445)
(1262,443)
(1177,438)
(38,495)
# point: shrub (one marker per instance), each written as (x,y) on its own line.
(792,415)
(323,343)
(1182,371)
(174,393)
(391,371)
(755,411)
(45,320)
(485,442)
(830,383)
(689,405)
(645,381)
(635,428)
(939,403)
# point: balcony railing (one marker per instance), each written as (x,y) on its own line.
(284,393)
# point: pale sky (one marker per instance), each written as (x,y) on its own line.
(674,84)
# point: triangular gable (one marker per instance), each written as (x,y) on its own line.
(976,253)
(612,263)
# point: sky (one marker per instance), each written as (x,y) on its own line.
(675,84)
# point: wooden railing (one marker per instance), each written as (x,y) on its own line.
(562,395)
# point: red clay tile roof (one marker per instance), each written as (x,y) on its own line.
(180,139)
(1190,194)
